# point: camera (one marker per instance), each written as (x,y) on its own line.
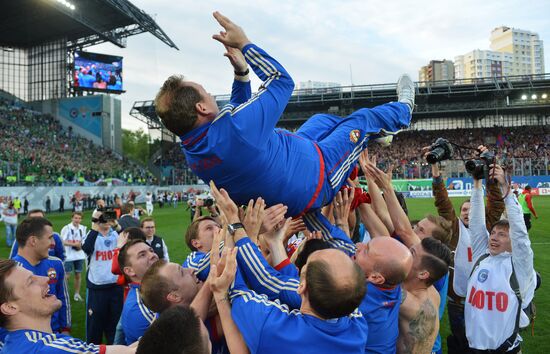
(479,168)
(107,214)
(441,150)
(208,202)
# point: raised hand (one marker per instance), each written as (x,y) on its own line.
(253,218)
(273,216)
(235,56)
(234,35)
(225,203)
(220,283)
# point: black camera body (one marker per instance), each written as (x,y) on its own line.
(107,214)
(208,202)
(479,168)
(441,150)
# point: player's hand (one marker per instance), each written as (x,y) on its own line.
(382,180)
(342,203)
(278,234)
(272,217)
(235,56)
(219,284)
(253,218)
(122,239)
(234,35)
(295,226)
(225,203)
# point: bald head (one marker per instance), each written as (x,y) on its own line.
(335,284)
(384,261)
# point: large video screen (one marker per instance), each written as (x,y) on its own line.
(97,71)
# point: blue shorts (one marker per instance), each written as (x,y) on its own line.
(78,266)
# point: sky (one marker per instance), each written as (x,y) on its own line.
(347,41)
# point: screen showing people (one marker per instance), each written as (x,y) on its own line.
(97,71)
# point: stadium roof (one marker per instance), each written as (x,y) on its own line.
(84,23)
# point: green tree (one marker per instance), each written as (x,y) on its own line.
(135,145)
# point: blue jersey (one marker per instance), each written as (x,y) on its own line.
(200,262)
(381,310)
(56,250)
(36,342)
(52,268)
(136,317)
(441,286)
(268,327)
(3,333)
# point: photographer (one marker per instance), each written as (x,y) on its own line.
(460,245)
(502,282)
(104,302)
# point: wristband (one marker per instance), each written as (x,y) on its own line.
(242,73)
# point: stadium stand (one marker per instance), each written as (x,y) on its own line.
(37,150)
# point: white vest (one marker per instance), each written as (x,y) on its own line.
(463,261)
(491,305)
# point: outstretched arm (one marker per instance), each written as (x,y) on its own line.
(268,104)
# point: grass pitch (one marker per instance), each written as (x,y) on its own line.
(172,224)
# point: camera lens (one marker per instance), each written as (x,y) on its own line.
(435,155)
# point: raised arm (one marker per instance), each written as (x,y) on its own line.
(267,105)
(522,254)
(478,230)
(495,204)
(399,219)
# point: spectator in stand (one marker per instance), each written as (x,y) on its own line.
(72,235)
(9,216)
(525,200)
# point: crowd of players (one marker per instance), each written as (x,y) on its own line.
(277,282)
(40,147)
(259,282)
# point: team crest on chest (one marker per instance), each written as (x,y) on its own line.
(52,274)
(354,136)
(482,275)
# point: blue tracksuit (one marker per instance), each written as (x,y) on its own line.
(3,333)
(56,250)
(271,328)
(31,342)
(242,151)
(381,310)
(200,262)
(442,285)
(52,268)
(136,317)
(379,307)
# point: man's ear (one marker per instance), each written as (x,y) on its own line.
(9,309)
(376,278)
(423,275)
(302,287)
(201,108)
(196,243)
(129,271)
(173,297)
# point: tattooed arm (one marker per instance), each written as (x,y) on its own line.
(418,322)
